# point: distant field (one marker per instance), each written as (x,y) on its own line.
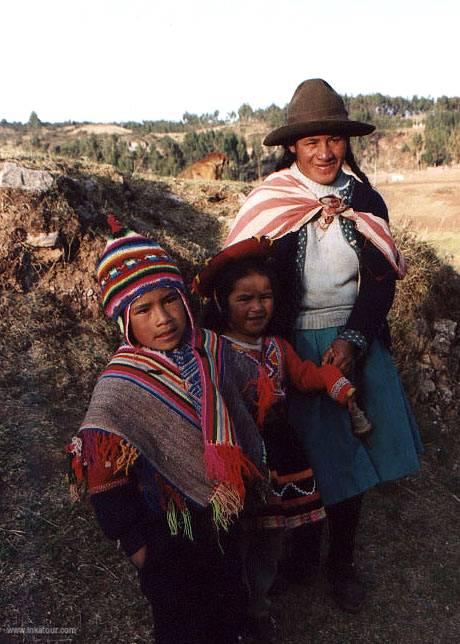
(429,202)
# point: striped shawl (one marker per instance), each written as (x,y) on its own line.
(142,399)
(282,204)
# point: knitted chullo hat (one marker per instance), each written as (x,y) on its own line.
(130,266)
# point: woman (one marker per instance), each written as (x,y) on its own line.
(338,265)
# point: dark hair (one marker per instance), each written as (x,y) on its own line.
(286,160)
(354,167)
(216,311)
(289,157)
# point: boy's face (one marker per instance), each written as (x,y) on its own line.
(158,319)
(250,307)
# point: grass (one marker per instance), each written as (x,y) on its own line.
(446,243)
(428,203)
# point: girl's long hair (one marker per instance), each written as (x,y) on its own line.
(216,313)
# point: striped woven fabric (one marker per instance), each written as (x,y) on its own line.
(157,375)
(294,498)
(282,204)
(129,266)
(142,398)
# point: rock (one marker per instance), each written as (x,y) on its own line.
(16,176)
(176,199)
(446,327)
(427,387)
(445,335)
(445,393)
(425,359)
(42,240)
(437,362)
(49,255)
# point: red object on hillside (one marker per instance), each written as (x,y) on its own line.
(115,225)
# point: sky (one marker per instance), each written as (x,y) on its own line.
(120,60)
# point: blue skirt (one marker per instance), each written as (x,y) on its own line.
(345,466)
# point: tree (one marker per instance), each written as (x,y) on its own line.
(34,121)
(191,119)
(245,112)
(416,146)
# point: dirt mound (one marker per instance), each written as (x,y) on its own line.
(49,246)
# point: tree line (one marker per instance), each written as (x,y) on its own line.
(437,143)
(166,156)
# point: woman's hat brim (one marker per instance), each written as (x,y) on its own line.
(289,134)
(205,281)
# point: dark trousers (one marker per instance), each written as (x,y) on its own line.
(194,587)
(260,553)
(343,519)
(305,543)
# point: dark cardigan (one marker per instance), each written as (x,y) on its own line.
(377,278)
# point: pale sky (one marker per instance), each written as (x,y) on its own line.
(120,60)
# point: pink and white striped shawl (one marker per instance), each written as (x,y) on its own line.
(282,204)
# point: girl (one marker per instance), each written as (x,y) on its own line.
(241,286)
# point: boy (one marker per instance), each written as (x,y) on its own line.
(157,451)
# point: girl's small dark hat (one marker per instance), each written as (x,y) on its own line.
(205,281)
(316,108)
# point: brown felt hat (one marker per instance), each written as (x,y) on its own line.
(316,108)
(253,248)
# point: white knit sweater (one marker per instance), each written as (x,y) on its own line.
(330,273)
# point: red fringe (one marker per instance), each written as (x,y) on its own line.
(228,464)
(265,395)
(100,454)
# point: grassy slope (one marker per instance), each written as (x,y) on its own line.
(429,203)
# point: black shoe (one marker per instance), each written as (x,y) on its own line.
(347,590)
(262,629)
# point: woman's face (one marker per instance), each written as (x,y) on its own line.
(320,157)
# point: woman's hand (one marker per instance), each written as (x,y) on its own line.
(341,354)
(138,558)
(351,402)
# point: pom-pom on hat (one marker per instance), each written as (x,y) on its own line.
(205,281)
(132,265)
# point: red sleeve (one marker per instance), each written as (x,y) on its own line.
(306,376)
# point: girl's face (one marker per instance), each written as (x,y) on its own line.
(250,307)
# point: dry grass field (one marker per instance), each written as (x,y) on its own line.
(428,202)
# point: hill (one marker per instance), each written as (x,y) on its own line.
(428,202)
(400,142)
(56,569)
